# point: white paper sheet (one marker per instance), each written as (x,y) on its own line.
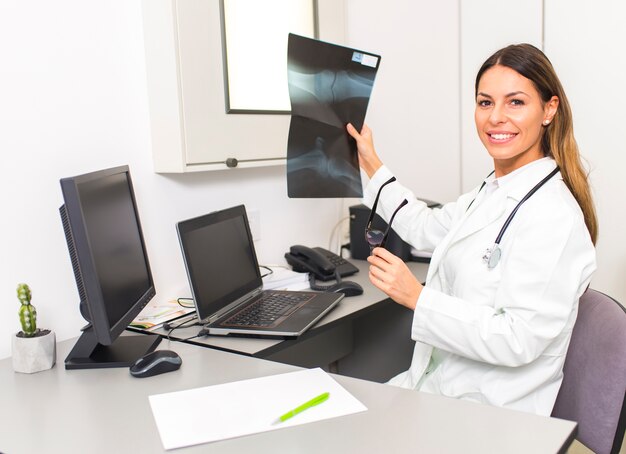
(247,407)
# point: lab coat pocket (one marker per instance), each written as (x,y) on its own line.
(476,283)
(462,378)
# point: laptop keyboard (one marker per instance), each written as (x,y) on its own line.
(268,309)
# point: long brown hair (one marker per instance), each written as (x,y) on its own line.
(558,139)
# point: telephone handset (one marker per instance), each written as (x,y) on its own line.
(321,263)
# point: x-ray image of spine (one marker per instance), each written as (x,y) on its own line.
(329,86)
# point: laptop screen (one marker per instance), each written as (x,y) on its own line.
(220,259)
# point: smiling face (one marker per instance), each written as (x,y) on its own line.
(510,117)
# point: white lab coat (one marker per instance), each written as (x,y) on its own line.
(498,336)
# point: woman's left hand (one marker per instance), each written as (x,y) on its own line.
(391,275)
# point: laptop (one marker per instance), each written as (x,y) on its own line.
(226,282)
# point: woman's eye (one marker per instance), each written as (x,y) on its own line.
(484,103)
(517,102)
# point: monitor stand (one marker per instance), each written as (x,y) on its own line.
(125,350)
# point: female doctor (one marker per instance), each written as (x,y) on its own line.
(510,258)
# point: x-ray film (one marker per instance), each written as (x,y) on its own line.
(329,87)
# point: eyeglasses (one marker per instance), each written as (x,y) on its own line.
(377,238)
(185,302)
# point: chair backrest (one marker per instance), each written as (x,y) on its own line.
(593,392)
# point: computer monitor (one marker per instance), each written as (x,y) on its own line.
(111,267)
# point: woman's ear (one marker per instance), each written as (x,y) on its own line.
(550,109)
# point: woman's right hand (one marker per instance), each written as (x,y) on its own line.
(368,159)
(390,274)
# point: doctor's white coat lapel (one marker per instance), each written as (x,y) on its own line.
(489,211)
(494,209)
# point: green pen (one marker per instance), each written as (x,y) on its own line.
(311,403)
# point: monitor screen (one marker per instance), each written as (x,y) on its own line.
(111,266)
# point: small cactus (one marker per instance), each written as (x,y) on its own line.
(27,312)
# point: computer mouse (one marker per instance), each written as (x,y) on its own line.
(348,288)
(155,363)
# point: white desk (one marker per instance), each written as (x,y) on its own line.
(336,336)
(347,309)
(107,411)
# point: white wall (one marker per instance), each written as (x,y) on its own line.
(414,109)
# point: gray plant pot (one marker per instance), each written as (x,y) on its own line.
(34,354)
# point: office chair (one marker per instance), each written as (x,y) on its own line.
(593,392)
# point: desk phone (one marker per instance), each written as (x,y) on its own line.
(318,261)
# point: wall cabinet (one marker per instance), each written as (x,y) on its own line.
(190,128)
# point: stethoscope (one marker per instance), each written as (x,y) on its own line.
(493,254)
